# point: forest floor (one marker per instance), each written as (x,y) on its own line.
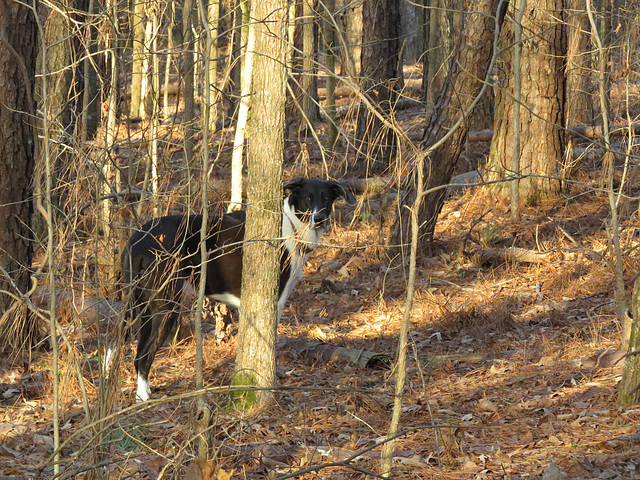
(506,379)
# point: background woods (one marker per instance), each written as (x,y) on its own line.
(472,317)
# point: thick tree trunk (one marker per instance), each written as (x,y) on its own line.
(463,84)
(18,52)
(256,357)
(381,81)
(541,122)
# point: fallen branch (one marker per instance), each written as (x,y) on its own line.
(329,353)
(510,254)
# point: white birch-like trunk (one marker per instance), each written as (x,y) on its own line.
(241,124)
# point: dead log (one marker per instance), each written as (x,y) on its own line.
(329,353)
(85,308)
(510,254)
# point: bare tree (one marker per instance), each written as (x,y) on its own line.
(255,360)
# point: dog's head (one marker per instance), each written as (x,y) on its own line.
(312,199)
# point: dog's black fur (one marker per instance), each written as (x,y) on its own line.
(163,258)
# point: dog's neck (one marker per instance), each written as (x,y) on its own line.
(297,234)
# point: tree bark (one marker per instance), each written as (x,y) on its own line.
(139,19)
(330,67)
(309,63)
(57,35)
(579,108)
(541,122)
(256,357)
(18,53)
(459,94)
(382,78)
(630,384)
(188,77)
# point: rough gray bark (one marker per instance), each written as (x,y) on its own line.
(256,357)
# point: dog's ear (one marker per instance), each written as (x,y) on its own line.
(294,185)
(341,191)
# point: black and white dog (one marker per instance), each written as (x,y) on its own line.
(162,259)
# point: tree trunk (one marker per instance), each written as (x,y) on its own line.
(138,19)
(256,357)
(463,85)
(541,122)
(381,81)
(309,63)
(330,66)
(188,77)
(214,18)
(90,92)
(629,386)
(579,108)
(18,52)
(57,35)
(352,54)
(237,156)
(412,24)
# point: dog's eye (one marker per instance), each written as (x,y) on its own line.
(325,197)
(308,198)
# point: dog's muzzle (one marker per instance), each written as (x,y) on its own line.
(319,220)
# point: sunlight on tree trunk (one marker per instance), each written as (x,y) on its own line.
(401,365)
(629,393)
(188,77)
(542,136)
(517,98)
(213,15)
(608,174)
(90,93)
(139,19)
(246,98)
(256,357)
(382,79)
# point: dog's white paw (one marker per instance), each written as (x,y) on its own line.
(143,393)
